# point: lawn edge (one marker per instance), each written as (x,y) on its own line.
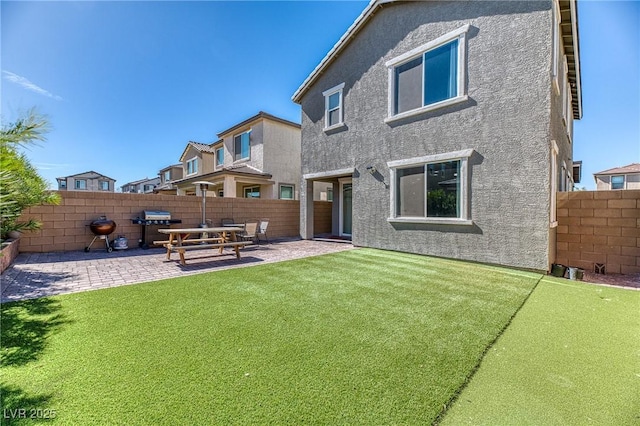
(443,412)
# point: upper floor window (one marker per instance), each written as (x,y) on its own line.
(428,77)
(333,111)
(617,182)
(219,157)
(167,175)
(192,166)
(81,184)
(104,185)
(241,146)
(431,189)
(63,184)
(148,187)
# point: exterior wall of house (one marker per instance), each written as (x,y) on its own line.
(281,156)
(603,182)
(93,182)
(256,156)
(506,121)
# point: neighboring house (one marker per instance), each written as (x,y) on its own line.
(142,186)
(257,158)
(168,175)
(87,181)
(446,128)
(626,177)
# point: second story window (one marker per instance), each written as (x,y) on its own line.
(63,184)
(219,157)
(81,184)
(241,146)
(192,166)
(428,77)
(167,176)
(617,182)
(333,111)
(104,185)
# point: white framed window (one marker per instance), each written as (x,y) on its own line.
(333,110)
(81,184)
(617,182)
(431,189)
(63,184)
(553,220)
(242,146)
(148,188)
(557,31)
(192,166)
(428,77)
(219,158)
(104,185)
(167,175)
(251,191)
(287,192)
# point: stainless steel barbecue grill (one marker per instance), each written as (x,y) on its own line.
(152,217)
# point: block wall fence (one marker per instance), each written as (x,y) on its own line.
(599,227)
(65,226)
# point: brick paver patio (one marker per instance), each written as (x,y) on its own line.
(35,275)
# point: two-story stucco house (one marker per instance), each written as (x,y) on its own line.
(167,176)
(86,181)
(446,128)
(141,186)
(256,158)
(625,177)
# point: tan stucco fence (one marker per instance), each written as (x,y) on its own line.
(599,227)
(65,226)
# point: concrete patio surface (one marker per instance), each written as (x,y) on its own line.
(35,275)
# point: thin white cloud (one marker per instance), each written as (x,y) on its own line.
(19,80)
(50,166)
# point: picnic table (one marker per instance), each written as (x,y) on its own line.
(205,238)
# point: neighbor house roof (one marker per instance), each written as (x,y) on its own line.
(569,14)
(260,115)
(631,168)
(90,174)
(239,170)
(200,147)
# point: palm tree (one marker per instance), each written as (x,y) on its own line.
(20,184)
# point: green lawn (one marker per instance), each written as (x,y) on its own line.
(358,337)
(570,357)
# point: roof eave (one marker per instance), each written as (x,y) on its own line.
(342,42)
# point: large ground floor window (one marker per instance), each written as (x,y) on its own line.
(431,189)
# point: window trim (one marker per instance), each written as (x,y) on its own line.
(192,159)
(461,35)
(465,214)
(77,184)
(244,190)
(553,212)
(555,57)
(221,165)
(101,184)
(235,160)
(327,94)
(293,191)
(167,176)
(624,182)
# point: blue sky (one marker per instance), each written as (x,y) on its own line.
(127,84)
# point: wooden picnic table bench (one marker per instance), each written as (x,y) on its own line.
(179,241)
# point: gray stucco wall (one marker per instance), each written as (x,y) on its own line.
(506,121)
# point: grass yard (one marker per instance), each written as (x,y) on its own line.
(359,337)
(570,357)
